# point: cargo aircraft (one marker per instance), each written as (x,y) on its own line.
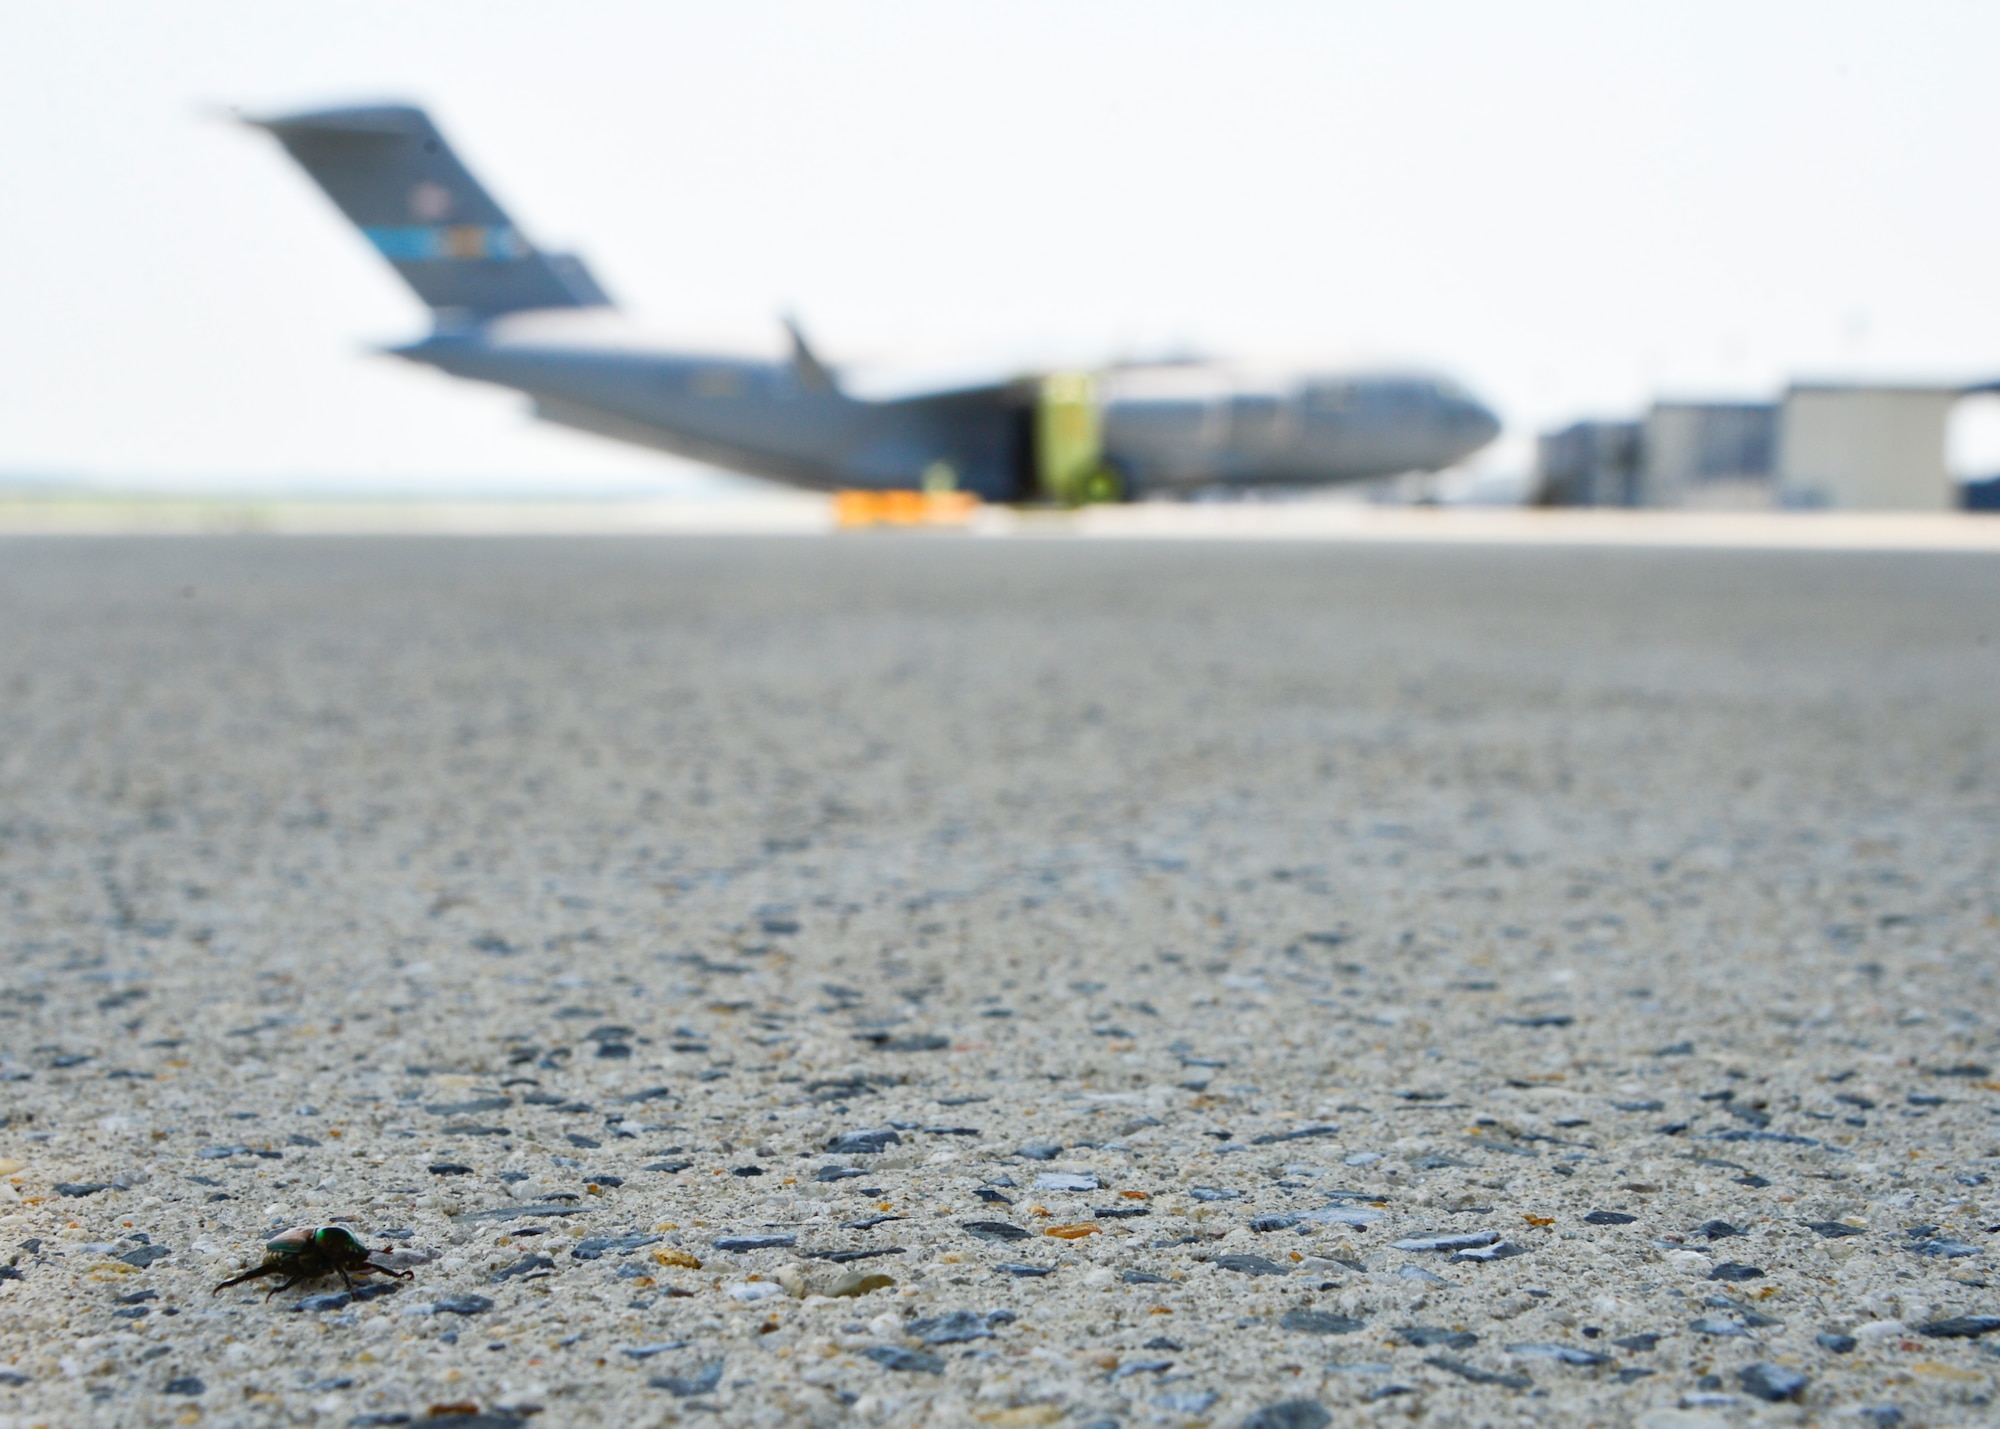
(512,314)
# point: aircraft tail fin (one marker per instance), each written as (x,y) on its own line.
(390,171)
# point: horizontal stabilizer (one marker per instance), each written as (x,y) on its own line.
(389,170)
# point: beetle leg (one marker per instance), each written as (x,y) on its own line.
(341,1270)
(252,1274)
(372,1267)
(289,1283)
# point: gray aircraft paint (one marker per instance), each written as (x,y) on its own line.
(1167,428)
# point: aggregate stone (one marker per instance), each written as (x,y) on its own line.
(1771,1382)
(1735,1272)
(1355,879)
(1565,1354)
(464,1305)
(1319,1322)
(1250,1265)
(1289,1414)
(895,1357)
(1468,1240)
(1957,1327)
(1425,1336)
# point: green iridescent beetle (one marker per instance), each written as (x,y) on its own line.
(303,1253)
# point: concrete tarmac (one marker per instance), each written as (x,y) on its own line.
(931,981)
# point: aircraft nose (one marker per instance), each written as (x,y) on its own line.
(1475,424)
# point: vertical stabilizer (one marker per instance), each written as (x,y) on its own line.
(389,170)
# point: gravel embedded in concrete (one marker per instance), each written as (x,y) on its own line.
(940,981)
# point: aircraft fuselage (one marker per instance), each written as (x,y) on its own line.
(1172,428)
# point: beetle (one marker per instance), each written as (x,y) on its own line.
(305,1253)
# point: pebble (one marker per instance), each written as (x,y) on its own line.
(1735,1272)
(80,1189)
(959,1326)
(1036,1151)
(895,1357)
(863,1143)
(525,1265)
(1638,1343)
(736,1244)
(541,1208)
(1959,1327)
(1835,1342)
(1500,1250)
(471,1108)
(187,1385)
(1290,1414)
(1250,1265)
(1477,1375)
(1567,1354)
(1770,1382)
(1025,1271)
(463,1305)
(1318,1322)
(1304,1133)
(1608,1218)
(1339,1215)
(1714,1325)
(857,1283)
(1428,1336)
(1469,1240)
(993,1230)
(1064,1181)
(703,1381)
(646,1352)
(751,1291)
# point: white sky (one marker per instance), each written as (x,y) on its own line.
(1570,207)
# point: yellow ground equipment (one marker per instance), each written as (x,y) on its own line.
(1069,443)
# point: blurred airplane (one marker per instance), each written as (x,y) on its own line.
(508,313)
